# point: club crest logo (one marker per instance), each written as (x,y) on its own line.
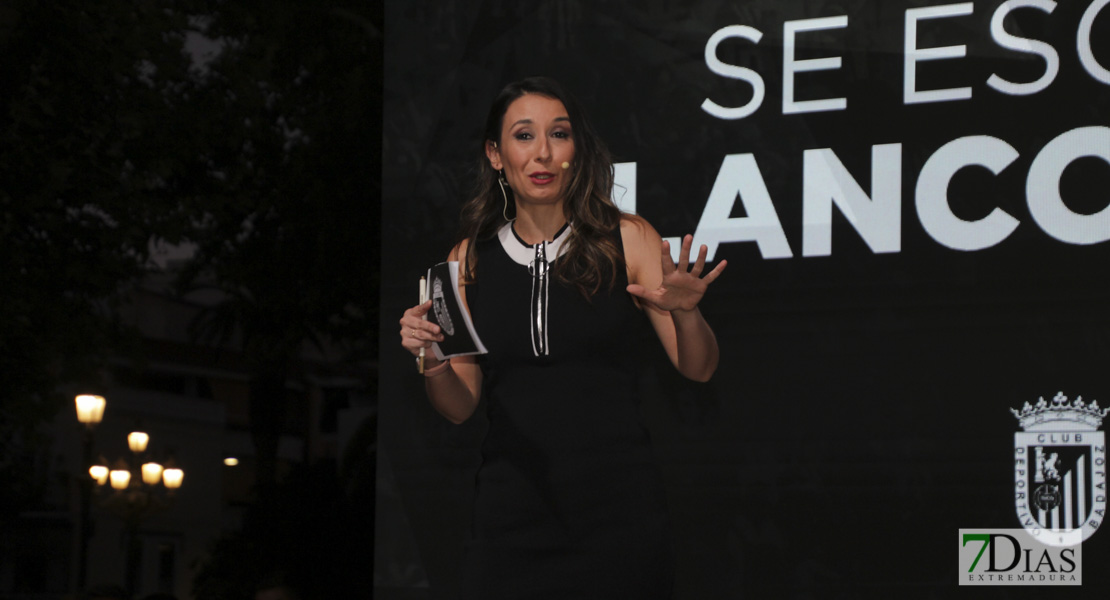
(1060,469)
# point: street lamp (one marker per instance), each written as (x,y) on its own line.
(120,475)
(90,409)
(90,412)
(152,473)
(137,441)
(172,475)
(99,473)
(136,485)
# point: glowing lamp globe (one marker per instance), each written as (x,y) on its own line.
(152,473)
(137,441)
(120,478)
(172,478)
(90,409)
(99,473)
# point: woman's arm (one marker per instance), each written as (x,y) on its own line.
(670,294)
(454,388)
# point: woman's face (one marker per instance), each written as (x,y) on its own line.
(535,142)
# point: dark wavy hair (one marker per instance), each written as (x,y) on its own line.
(592,256)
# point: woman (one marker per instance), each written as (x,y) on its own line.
(569,503)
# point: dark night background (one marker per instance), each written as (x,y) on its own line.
(246,135)
(310,157)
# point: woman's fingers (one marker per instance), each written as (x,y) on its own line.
(684,258)
(665,257)
(684,254)
(716,272)
(421,334)
(420,309)
(699,265)
(414,318)
(416,332)
(683,284)
(414,343)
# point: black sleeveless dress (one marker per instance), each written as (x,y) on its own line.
(569,501)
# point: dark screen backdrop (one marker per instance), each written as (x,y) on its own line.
(902,270)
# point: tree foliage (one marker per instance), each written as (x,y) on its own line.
(289,236)
(88,108)
(85,185)
(265,159)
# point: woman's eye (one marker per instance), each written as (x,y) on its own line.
(562,134)
(523,135)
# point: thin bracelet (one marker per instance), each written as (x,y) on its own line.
(438,369)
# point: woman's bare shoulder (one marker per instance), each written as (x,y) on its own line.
(642,245)
(637,232)
(459,251)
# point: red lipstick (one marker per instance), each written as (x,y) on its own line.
(541,177)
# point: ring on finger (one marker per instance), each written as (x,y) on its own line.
(413,333)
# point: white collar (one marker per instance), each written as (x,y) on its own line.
(522,253)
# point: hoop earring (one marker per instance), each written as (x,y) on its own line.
(505,207)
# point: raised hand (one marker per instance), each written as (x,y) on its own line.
(682,286)
(416,332)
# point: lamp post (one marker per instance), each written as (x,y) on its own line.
(136,486)
(90,412)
